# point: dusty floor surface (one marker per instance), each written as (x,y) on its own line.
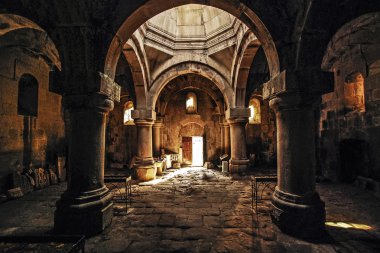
(199,210)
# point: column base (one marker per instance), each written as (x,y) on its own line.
(303,217)
(88,214)
(238,165)
(145,173)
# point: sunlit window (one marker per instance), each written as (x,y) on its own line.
(254,106)
(128,107)
(191,103)
(354,92)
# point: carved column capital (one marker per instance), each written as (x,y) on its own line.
(293,101)
(238,113)
(143,114)
(93,101)
(143,122)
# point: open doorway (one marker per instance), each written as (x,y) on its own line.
(192,150)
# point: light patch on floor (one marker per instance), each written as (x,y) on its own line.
(348,225)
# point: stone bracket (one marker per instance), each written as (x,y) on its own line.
(308,81)
(275,86)
(238,113)
(109,87)
(144,114)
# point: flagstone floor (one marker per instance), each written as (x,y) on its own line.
(200,210)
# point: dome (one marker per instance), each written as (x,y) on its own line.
(192,21)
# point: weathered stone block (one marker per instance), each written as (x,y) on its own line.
(376,95)
(145,173)
(15,193)
(22,182)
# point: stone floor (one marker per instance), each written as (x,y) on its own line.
(199,210)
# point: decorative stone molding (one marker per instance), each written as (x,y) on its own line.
(109,87)
(306,81)
(143,114)
(233,113)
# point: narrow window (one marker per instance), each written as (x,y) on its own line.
(254,106)
(191,103)
(354,92)
(128,107)
(27,96)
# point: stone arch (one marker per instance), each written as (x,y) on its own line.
(214,97)
(154,7)
(201,84)
(190,67)
(243,62)
(192,129)
(139,72)
(350,36)
(183,58)
(248,39)
(21,32)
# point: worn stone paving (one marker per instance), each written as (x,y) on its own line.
(187,210)
(200,210)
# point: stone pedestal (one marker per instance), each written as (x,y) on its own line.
(157,126)
(297,208)
(225,138)
(237,119)
(144,165)
(86,206)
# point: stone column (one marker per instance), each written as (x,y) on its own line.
(237,119)
(157,128)
(225,137)
(297,208)
(144,164)
(86,206)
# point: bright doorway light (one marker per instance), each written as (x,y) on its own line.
(197,156)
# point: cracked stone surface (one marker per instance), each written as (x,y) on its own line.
(200,210)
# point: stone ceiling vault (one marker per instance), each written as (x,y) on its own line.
(191,35)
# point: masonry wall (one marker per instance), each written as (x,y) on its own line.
(261,138)
(121,139)
(44,134)
(349,138)
(205,123)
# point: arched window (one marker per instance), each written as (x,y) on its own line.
(128,107)
(27,96)
(354,92)
(254,106)
(191,103)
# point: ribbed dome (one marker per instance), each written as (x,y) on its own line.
(192,21)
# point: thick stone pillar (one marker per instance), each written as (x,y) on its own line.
(225,137)
(86,206)
(144,164)
(297,208)
(157,129)
(237,119)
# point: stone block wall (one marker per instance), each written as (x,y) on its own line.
(350,134)
(205,123)
(261,138)
(25,139)
(121,139)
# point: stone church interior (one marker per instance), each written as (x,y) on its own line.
(189,126)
